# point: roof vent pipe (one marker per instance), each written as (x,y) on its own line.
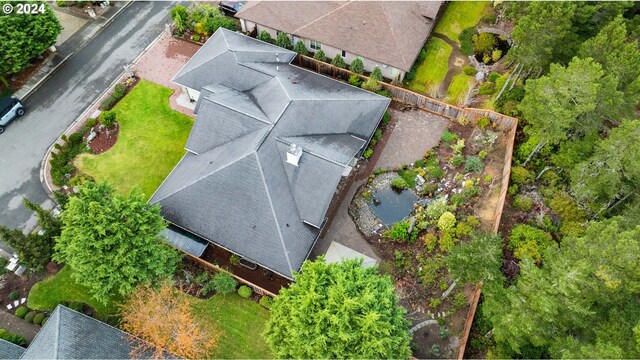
(293,154)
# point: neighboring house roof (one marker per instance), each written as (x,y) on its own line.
(69,334)
(10,350)
(390,32)
(234,186)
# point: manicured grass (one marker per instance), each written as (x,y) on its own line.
(47,294)
(151,142)
(432,71)
(242,322)
(460,15)
(458,87)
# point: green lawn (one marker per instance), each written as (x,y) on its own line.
(458,87)
(460,15)
(151,142)
(241,321)
(48,293)
(433,69)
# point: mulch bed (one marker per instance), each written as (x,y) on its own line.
(22,284)
(105,138)
(17,80)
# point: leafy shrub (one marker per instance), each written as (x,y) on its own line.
(435,172)
(14,295)
(466,43)
(447,241)
(458,147)
(434,303)
(21,312)
(300,48)
(201,278)
(367,153)
(399,184)
(62,161)
(283,40)
(487,89)
(265,36)
(448,136)
(119,92)
(266,301)
(319,55)
(482,154)
(436,208)
(357,66)
(489,18)
(469,70)
(473,164)
(496,55)
(108,118)
(376,73)
(377,135)
(446,221)
(528,241)
(338,61)
(484,122)
(386,118)
(421,55)
(512,190)
(483,43)
(463,229)
(219,21)
(457,160)
(400,232)
(179,11)
(30,315)
(463,120)
(38,319)
(372,84)
(493,76)
(520,176)
(460,300)
(224,283)
(245,291)
(91,122)
(411,74)
(523,202)
(355,80)
(472,221)
(430,241)
(13,338)
(385,93)
(565,206)
(234,259)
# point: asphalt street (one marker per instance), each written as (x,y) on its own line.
(55,105)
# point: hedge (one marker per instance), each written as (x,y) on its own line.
(21,312)
(30,315)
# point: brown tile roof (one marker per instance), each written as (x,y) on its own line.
(389,32)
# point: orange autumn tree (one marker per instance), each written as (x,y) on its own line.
(162,317)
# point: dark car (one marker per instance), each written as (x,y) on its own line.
(10,108)
(230,8)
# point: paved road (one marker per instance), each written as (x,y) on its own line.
(53,107)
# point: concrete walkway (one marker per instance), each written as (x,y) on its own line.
(19,326)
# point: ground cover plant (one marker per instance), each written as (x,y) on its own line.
(151,142)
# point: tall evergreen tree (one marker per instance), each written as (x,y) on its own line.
(34,251)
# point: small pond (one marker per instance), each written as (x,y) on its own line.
(390,206)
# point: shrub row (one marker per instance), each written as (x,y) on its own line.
(118,93)
(31,316)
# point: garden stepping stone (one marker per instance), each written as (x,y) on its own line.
(23,300)
(9,307)
(16,303)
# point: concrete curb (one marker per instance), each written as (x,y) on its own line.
(57,67)
(45,173)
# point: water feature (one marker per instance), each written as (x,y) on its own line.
(390,206)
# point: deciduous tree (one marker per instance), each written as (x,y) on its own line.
(338,311)
(112,241)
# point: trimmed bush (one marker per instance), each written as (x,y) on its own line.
(376,73)
(14,295)
(13,338)
(338,61)
(355,80)
(245,291)
(224,283)
(38,319)
(469,70)
(108,118)
(265,36)
(319,55)
(283,41)
(357,66)
(372,84)
(21,312)
(367,153)
(473,164)
(300,48)
(446,221)
(523,203)
(30,315)
(266,301)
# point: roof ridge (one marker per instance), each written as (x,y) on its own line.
(230,107)
(393,34)
(323,16)
(273,211)
(313,153)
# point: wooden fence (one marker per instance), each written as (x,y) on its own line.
(505,123)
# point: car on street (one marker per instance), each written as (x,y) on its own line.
(230,8)
(10,108)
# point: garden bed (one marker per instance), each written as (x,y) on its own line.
(20,285)
(17,80)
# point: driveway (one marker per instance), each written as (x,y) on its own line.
(55,105)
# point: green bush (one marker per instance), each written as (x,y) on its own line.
(283,41)
(456,160)
(528,241)
(399,184)
(446,221)
(355,80)
(319,55)
(447,241)
(338,61)
(385,93)
(482,154)
(436,208)
(219,21)
(430,241)
(458,147)
(266,301)
(376,73)
(372,84)
(14,295)
(367,153)
(523,203)
(119,92)
(520,176)
(30,315)
(487,89)
(13,338)
(245,291)
(224,283)
(21,312)
(493,76)
(513,189)
(357,66)
(489,18)
(90,123)
(196,37)
(469,70)
(411,74)
(108,118)
(300,48)
(473,164)
(400,232)
(484,122)
(496,55)
(386,118)
(265,36)
(38,319)
(466,44)
(448,136)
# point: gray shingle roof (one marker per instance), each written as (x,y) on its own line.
(390,32)
(10,350)
(69,334)
(235,188)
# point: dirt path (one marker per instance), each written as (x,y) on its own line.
(455,63)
